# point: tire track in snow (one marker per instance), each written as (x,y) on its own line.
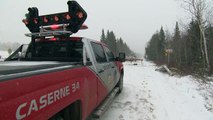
(151,95)
(134,101)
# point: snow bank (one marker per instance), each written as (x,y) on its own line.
(3,54)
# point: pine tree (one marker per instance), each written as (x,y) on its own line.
(103,37)
(111,42)
(177,45)
(152,52)
(107,37)
(116,45)
(194,47)
(119,44)
(161,45)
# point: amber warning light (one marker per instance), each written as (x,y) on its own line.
(73,19)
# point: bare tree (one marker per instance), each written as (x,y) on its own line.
(198,8)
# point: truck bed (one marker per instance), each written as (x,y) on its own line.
(16,69)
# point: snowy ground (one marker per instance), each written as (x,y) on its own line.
(151,95)
(3,55)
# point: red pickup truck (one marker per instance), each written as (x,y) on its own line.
(58,77)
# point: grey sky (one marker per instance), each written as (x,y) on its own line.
(135,21)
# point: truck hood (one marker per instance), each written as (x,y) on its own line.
(14,67)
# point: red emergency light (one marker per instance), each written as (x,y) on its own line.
(56,18)
(54,27)
(45,20)
(53,39)
(35,21)
(67,16)
(61,27)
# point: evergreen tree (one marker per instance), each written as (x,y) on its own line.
(187,48)
(111,42)
(176,45)
(116,45)
(103,37)
(119,45)
(152,50)
(155,49)
(194,47)
(107,37)
(161,45)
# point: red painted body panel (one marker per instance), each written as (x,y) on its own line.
(31,92)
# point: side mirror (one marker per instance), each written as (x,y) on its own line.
(121,57)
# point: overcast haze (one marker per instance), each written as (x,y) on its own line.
(134,21)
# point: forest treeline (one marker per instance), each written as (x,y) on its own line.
(183,49)
(115,44)
(189,50)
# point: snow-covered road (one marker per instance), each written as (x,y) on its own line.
(151,95)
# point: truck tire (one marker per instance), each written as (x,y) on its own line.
(120,84)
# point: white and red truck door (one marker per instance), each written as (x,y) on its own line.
(114,73)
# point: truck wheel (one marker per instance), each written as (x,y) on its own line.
(120,84)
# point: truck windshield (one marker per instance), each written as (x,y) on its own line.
(58,51)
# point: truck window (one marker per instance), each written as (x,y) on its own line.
(59,51)
(99,52)
(109,54)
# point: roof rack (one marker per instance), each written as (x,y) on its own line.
(49,33)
